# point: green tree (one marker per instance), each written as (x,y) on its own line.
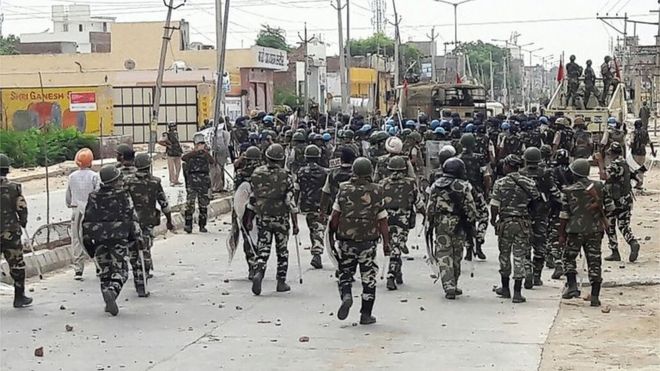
(286,97)
(8,45)
(272,37)
(479,53)
(379,43)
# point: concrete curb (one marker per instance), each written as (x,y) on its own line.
(62,257)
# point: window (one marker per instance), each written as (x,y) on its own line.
(80,28)
(105,26)
(65,27)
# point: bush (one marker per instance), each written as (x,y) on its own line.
(31,147)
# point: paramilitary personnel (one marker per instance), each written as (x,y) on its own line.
(401,198)
(198,181)
(309,181)
(358,220)
(562,176)
(337,176)
(451,210)
(619,188)
(125,159)
(573,71)
(146,190)
(512,196)
(109,227)
(244,166)
(582,226)
(13,216)
(272,202)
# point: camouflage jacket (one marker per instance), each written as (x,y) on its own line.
(361,205)
(110,217)
(309,181)
(146,190)
(450,202)
(197,169)
(546,187)
(581,208)
(244,172)
(513,194)
(618,180)
(335,177)
(174,149)
(296,157)
(126,169)
(399,191)
(475,168)
(272,191)
(13,208)
(381,171)
(483,145)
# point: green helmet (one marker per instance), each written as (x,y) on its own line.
(615,148)
(468,140)
(4,161)
(580,167)
(298,137)
(199,138)
(416,137)
(445,153)
(378,136)
(546,151)
(454,166)
(532,155)
(288,134)
(109,174)
(513,160)
(362,167)
(397,163)
(312,151)
(124,149)
(348,134)
(405,133)
(253,153)
(275,152)
(142,161)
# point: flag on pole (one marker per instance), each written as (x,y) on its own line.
(560,73)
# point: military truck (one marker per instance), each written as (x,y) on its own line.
(434,98)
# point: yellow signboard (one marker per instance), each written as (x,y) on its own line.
(25,108)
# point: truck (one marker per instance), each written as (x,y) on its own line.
(434,99)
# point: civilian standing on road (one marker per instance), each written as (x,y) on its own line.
(82,182)
(173,151)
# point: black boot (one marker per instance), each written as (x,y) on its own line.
(450,294)
(282,286)
(480,254)
(634,251)
(559,271)
(110,297)
(550,263)
(20,300)
(468,253)
(316,262)
(399,277)
(517,295)
(595,292)
(250,273)
(504,291)
(256,281)
(614,257)
(537,276)
(391,285)
(141,291)
(529,278)
(188,226)
(571,291)
(366,318)
(201,220)
(202,229)
(345,307)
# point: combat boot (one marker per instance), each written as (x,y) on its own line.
(256,281)
(595,292)
(614,257)
(391,285)
(529,279)
(20,300)
(366,318)
(538,269)
(141,291)
(282,286)
(450,294)
(468,253)
(559,271)
(188,226)
(345,307)
(550,263)
(399,277)
(504,291)
(634,251)
(202,229)
(316,262)
(571,291)
(480,253)
(110,298)
(517,295)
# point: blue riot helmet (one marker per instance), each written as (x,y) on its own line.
(392,130)
(506,126)
(543,120)
(326,137)
(469,128)
(410,124)
(439,130)
(435,124)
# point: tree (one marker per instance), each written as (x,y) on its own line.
(8,45)
(379,43)
(286,97)
(479,53)
(272,37)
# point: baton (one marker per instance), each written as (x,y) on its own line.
(298,255)
(34,256)
(144,270)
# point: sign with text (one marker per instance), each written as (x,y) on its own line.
(269,58)
(82,101)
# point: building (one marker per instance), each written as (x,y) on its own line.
(73,24)
(292,80)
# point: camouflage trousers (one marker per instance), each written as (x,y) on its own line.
(398,221)
(536,255)
(553,248)
(482,221)
(316,225)
(111,259)
(352,254)
(250,256)
(12,251)
(590,243)
(148,240)
(513,239)
(136,263)
(202,197)
(620,217)
(269,228)
(449,253)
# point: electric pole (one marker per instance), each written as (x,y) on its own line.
(167,35)
(492,85)
(305,41)
(348,47)
(433,52)
(221,21)
(397,44)
(342,58)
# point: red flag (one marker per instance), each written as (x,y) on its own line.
(618,71)
(458,78)
(405,87)
(560,72)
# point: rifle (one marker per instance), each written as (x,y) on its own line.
(596,205)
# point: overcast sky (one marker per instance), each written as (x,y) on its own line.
(555,25)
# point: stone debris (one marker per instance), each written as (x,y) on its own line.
(39,352)
(606,309)
(304,339)
(68,328)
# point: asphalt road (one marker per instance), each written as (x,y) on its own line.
(202,316)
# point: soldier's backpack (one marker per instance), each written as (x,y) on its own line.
(311,179)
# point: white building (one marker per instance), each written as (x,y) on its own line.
(72,23)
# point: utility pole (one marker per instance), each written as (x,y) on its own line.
(348,48)
(505,89)
(167,35)
(397,44)
(221,21)
(433,53)
(305,41)
(342,59)
(492,85)
(455,5)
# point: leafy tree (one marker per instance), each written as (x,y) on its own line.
(286,97)
(479,53)
(272,37)
(8,45)
(379,43)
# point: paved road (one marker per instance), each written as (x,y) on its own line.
(202,316)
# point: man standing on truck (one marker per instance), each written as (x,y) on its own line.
(574,71)
(607,72)
(589,84)
(644,115)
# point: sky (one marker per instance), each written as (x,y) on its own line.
(557,26)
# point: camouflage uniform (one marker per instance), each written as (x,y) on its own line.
(13,216)
(146,190)
(476,169)
(110,226)
(244,174)
(309,180)
(272,201)
(561,175)
(573,71)
(331,186)
(198,182)
(512,194)
(381,172)
(400,198)
(361,205)
(296,158)
(450,210)
(619,188)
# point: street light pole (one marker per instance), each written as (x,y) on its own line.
(455,5)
